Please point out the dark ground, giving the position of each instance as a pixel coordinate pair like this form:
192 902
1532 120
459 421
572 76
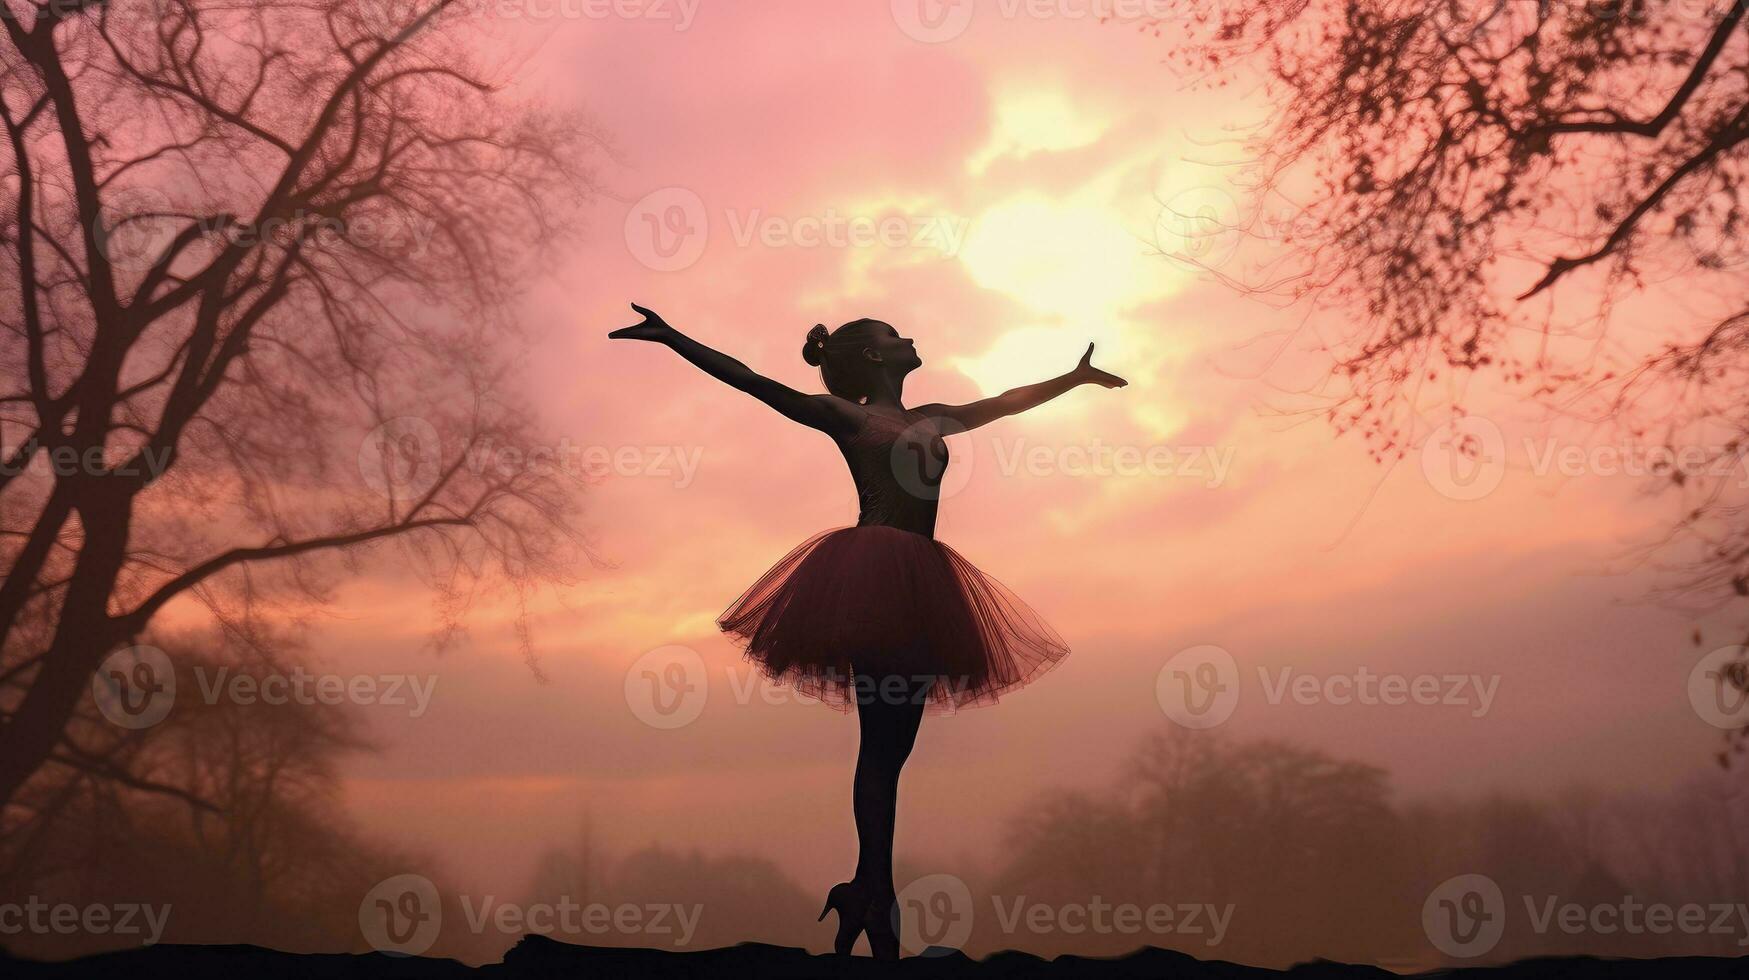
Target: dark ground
537 957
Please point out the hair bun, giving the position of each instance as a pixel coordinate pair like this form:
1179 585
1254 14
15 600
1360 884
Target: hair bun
814 351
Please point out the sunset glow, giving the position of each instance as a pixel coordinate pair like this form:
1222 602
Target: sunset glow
1266 599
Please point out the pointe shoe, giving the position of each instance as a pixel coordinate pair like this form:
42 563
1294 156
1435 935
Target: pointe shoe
848 899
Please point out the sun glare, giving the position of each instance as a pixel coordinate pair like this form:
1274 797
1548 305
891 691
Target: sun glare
1036 121
1056 257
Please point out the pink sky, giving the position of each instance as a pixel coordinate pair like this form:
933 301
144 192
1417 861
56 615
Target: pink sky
1031 156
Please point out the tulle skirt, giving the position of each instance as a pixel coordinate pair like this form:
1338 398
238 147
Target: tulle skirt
878 602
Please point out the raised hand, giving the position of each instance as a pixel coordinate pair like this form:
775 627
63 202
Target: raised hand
652 328
829 415
1086 373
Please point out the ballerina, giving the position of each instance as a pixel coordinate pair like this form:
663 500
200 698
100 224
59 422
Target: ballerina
881 616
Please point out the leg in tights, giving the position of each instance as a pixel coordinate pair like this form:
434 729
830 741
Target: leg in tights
889 710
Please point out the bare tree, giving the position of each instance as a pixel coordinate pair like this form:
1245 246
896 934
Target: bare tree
228 807
257 257
1482 187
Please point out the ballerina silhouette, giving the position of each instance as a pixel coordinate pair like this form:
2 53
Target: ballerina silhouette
881 616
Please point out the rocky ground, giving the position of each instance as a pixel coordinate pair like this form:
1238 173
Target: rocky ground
537 957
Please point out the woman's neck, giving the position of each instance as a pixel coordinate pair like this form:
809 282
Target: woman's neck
890 394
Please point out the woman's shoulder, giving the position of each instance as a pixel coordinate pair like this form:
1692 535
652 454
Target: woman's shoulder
849 417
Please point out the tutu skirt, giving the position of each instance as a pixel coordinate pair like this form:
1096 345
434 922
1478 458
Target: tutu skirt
875 602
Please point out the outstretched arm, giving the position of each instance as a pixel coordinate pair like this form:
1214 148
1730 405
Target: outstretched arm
824 412
1017 400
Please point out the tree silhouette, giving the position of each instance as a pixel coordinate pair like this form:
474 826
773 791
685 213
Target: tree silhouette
1482 188
1279 827
228 811
257 257
1304 846
1316 857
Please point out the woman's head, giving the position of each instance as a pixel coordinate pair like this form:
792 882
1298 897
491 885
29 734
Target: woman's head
860 358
